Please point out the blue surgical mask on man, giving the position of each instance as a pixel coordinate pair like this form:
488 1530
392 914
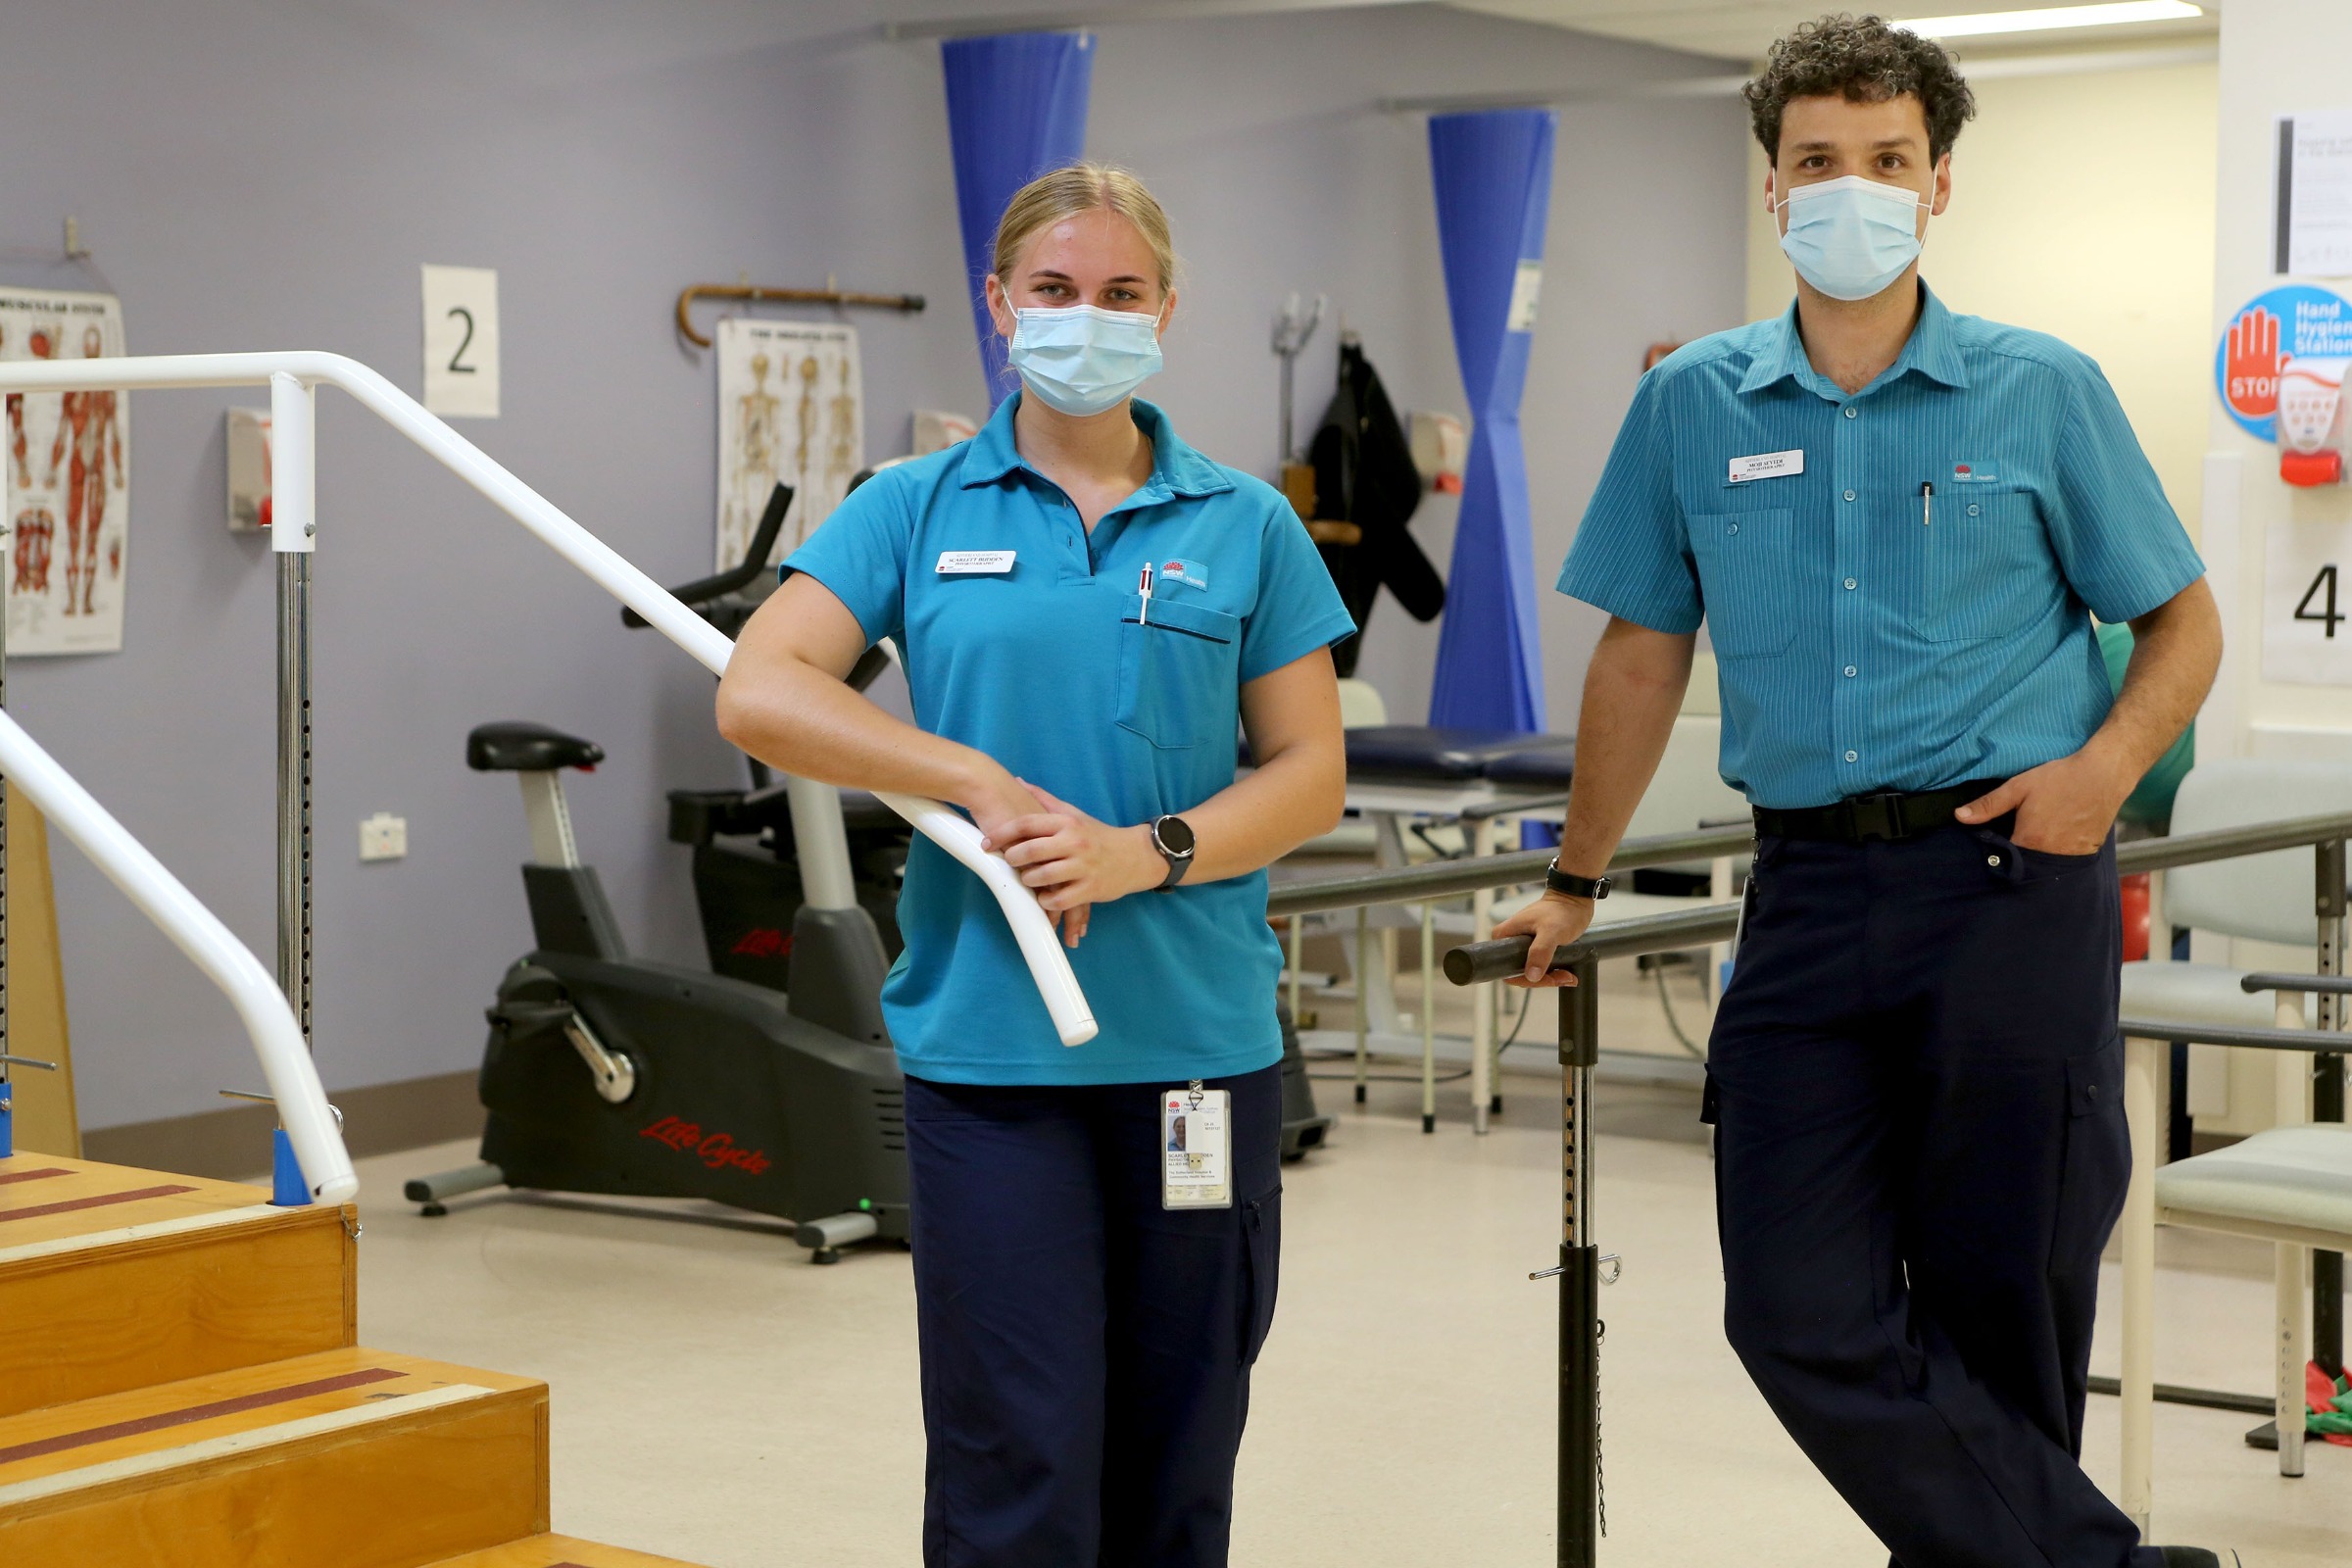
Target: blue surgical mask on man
1853 236
1081 358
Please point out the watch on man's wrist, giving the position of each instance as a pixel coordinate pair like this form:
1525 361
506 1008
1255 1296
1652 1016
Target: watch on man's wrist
1556 880
1172 837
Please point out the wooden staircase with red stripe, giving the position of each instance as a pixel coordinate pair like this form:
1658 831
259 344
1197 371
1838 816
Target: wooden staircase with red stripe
181 1387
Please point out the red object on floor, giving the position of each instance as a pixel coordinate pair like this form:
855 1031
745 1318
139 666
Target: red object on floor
2135 916
2320 1392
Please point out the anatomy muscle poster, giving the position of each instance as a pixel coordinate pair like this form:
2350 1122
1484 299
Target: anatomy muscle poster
791 409
67 462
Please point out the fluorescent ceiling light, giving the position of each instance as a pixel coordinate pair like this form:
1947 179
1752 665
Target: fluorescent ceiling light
2097 15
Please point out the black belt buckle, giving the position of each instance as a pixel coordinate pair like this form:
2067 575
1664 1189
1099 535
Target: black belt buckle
1876 817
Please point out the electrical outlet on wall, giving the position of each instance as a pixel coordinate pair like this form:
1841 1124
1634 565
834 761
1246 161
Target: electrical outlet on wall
383 836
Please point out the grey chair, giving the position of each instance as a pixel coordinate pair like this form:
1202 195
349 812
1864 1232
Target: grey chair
2290 1185
2265 898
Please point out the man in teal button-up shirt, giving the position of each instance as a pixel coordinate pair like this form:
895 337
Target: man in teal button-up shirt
1977 494
1896 524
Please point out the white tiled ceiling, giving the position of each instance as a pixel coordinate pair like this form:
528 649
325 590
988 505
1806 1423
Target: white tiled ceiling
1741 29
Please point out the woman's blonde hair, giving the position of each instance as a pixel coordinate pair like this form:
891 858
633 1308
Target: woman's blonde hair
1083 188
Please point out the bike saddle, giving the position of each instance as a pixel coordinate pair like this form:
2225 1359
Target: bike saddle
514 747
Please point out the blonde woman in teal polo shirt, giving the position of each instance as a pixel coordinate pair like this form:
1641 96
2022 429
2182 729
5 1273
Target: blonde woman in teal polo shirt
1087 609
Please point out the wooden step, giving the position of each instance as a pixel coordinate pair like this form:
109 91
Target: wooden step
350 1458
113 1278
560 1551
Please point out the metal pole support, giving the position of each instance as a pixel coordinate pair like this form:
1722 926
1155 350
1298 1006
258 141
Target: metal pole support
2328 1103
1580 1519
2138 1235
293 537
1482 1099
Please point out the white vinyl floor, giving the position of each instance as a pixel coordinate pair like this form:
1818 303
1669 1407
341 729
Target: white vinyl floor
719 1400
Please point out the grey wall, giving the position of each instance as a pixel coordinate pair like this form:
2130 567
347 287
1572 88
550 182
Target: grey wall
262 172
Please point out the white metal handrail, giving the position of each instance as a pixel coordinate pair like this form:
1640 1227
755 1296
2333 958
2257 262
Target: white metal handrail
291 377
226 961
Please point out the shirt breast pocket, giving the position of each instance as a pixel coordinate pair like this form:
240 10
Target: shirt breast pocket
1747 579
1178 672
1984 566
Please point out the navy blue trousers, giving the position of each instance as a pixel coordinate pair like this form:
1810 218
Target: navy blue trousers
1917 1082
1086 1353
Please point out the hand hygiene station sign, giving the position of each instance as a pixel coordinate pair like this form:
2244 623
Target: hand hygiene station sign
2279 371
2289 343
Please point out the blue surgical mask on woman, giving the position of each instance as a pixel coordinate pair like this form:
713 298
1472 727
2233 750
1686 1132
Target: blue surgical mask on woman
1081 358
1851 237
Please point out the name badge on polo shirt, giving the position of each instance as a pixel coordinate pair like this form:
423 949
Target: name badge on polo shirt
1197 1163
974 562
1768 466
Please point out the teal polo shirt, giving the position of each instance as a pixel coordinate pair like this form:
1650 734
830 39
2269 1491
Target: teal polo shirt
1047 666
1870 637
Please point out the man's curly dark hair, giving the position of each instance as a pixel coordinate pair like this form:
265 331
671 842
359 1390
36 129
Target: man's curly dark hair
1867 61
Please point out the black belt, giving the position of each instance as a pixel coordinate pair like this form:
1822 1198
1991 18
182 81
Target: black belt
1889 816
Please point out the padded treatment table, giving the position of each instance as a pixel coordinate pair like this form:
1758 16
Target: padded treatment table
1479 779
1423 754
1454 774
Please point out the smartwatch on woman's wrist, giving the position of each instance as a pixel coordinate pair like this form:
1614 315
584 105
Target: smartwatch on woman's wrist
1172 837
1596 888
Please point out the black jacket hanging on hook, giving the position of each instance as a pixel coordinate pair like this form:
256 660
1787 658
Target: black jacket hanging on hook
1364 474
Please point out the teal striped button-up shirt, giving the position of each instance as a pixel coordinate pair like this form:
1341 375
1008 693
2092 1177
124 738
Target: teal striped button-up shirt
1899 583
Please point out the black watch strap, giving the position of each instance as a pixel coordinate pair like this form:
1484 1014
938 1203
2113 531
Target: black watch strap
1574 886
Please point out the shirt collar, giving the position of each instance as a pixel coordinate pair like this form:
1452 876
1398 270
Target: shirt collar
1933 350
1176 469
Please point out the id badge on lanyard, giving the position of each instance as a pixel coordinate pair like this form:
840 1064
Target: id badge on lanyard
1195 1137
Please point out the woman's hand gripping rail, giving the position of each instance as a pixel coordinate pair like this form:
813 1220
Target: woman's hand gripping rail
1032 927
784 700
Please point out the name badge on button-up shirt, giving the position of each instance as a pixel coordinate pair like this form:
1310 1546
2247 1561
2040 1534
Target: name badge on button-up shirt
1768 466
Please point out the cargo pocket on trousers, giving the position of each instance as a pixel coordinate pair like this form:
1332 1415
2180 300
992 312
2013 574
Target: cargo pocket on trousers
2097 1165
1262 1267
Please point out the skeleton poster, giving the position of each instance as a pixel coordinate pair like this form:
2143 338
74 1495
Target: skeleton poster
67 462
791 409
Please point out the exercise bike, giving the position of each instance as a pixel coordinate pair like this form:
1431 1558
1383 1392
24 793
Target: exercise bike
769 1084
749 885
612 1074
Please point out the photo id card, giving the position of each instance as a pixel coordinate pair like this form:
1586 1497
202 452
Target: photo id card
1196 1141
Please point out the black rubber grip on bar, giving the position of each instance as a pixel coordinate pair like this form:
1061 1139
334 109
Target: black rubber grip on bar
702 590
1477 961
2326 985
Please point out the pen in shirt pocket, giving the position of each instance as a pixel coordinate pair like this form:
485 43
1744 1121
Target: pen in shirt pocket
1143 586
1927 504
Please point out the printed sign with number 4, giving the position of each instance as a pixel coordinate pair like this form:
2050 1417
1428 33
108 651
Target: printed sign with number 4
2306 604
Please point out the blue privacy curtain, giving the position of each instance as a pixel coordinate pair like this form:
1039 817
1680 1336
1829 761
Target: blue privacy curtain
1492 172
1016 107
